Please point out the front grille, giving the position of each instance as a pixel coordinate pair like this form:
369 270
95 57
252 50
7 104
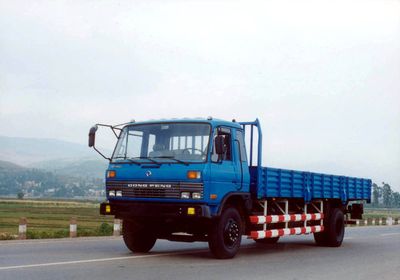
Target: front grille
153 189
150 193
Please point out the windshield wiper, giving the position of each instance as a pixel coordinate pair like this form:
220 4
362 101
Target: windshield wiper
152 160
177 160
128 159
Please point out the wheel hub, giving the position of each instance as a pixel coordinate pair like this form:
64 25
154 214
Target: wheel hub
231 233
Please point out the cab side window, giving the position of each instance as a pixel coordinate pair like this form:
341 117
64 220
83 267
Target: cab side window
240 139
227 136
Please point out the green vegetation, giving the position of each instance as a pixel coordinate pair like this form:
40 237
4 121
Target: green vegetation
374 213
384 196
50 219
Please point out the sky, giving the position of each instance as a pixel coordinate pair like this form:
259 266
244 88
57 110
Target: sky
323 77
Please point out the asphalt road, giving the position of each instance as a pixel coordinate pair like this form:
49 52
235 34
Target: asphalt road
367 253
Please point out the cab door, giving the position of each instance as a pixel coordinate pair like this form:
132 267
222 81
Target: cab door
224 174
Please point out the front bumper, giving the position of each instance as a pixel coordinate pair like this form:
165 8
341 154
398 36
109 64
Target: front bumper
157 210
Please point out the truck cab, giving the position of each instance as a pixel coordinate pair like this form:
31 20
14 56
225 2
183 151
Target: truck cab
177 162
176 176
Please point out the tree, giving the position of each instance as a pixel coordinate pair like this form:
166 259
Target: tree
376 194
396 199
20 195
386 194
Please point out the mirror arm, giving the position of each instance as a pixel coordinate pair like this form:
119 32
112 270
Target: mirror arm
109 159
113 128
92 134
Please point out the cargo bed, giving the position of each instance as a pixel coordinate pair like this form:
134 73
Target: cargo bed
283 183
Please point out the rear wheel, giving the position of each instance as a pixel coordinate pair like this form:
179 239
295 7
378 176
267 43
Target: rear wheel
320 238
333 234
138 237
225 234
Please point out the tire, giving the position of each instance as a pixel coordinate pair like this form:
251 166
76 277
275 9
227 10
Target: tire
320 238
333 234
225 234
138 238
273 240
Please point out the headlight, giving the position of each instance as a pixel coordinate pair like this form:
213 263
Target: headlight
185 195
111 193
196 195
118 193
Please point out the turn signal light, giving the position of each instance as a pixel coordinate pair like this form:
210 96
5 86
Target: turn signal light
108 208
111 174
193 175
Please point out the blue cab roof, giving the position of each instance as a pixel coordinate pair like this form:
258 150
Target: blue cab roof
213 122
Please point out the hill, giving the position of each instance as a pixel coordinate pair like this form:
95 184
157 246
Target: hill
6 165
41 183
84 167
26 151
59 157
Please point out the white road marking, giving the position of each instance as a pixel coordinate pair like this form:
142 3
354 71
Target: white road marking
101 260
390 234
56 241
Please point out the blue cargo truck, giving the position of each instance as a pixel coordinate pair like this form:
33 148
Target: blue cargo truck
194 180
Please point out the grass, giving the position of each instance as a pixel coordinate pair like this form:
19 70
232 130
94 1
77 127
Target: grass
371 213
51 219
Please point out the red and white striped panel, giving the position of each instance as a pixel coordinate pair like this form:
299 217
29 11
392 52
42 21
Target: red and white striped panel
285 218
284 231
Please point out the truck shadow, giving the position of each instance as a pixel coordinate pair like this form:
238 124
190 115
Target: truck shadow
254 249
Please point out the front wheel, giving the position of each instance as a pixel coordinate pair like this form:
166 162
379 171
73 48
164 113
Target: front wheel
137 237
225 234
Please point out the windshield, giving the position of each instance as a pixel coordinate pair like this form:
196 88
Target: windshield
168 142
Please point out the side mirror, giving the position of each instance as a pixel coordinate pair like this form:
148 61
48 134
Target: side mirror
92 135
219 145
